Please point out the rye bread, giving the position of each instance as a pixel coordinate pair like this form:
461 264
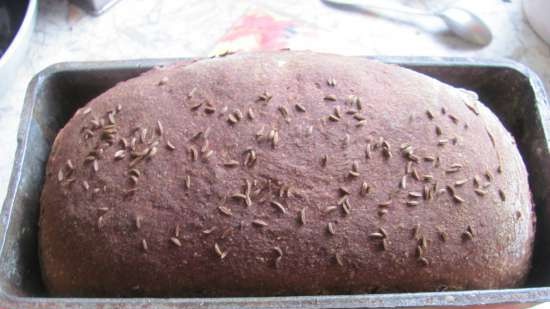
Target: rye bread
283 173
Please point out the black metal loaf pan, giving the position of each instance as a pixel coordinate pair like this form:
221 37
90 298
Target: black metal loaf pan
511 90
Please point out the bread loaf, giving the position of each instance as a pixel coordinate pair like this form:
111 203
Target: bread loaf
283 173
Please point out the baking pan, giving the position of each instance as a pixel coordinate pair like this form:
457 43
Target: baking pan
511 90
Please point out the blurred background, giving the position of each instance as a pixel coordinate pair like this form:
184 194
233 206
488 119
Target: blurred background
59 31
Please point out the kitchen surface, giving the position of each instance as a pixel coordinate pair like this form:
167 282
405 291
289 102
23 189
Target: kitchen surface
175 29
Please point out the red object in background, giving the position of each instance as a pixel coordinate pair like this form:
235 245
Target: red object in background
258 31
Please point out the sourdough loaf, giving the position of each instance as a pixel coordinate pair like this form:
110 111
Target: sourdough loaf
283 173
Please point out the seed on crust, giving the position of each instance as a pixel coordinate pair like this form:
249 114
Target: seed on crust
242 197
422 242
284 111
138 220
343 190
191 93
120 154
170 146
383 231
208 154
408 167
451 190
423 262
85 185
419 251
209 109
384 244
238 114
309 131
339 259
159 128
415 174
210 230
452 170
250 114
502 195
226 211
275 139
466 236
133 180
361 123
231 163
458 199
346 207
187 182
70 165
175 241
265 97
429 158
416 231
279 206
461 182
279 251
427 193
442 236
488 175
196 106
429 114
60 175
453 118
134 172
337 112
330 228
303 216
364 189
387 153
442 142
476 181
368 151
86 111
376 235
342 200
232 119
259 223
427 178
219 251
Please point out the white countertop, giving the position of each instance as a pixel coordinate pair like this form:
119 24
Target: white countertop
175 28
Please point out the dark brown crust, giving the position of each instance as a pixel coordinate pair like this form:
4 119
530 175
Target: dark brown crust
90 244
